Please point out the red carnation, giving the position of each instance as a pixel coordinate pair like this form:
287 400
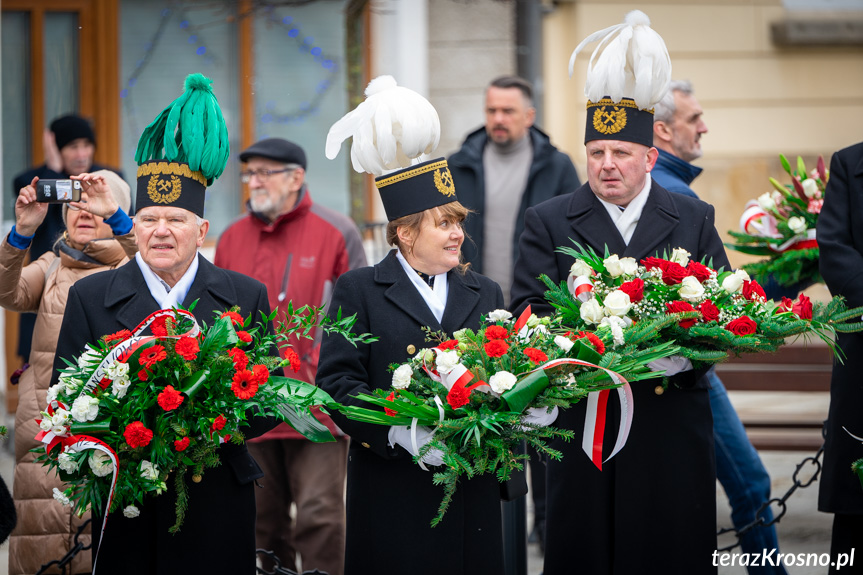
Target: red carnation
239 357
496 347
244 385
261 374
458 396
535 355
244 336
709 312
137 435
152 356
741 326
218 423
700 271
187 348
751 290
496 332
448 344
678 307
236 318
387 410
673 273
593 339
118 336
634 289
651 263
802 307
181 444
293 358
169 398
143 375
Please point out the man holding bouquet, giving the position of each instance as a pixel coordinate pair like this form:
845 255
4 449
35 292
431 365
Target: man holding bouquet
656 498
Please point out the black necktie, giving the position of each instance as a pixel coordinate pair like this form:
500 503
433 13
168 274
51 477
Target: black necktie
426 278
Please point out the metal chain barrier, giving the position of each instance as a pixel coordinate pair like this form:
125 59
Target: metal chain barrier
759 520
65 562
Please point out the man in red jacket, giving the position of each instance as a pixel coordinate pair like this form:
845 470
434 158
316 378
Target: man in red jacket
297 249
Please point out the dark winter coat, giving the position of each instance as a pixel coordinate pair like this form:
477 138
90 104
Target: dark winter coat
656 500
840 238
390 500
218 534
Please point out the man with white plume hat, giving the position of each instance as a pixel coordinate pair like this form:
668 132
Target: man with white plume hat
653 506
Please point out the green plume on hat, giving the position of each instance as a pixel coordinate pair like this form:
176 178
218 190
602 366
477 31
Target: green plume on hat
190 130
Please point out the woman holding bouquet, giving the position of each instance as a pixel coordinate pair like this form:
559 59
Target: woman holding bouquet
390 499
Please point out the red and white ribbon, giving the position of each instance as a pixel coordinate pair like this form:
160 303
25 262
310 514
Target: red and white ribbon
756 221
580 287
798 243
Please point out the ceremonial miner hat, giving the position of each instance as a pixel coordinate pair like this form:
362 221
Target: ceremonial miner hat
394 130
183 150
628 73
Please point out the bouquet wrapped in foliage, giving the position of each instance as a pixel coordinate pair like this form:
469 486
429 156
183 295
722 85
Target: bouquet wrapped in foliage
486 391
707 313
134 409
781 225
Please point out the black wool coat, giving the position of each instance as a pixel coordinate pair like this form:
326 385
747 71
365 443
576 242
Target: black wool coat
840 239
390 500
218 534
654 503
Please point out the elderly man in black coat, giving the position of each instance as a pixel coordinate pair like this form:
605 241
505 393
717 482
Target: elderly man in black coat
841 243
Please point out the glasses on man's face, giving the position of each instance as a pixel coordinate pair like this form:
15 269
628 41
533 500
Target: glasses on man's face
263 175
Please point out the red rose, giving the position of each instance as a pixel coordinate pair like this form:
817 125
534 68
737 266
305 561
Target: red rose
239 357
678 307
387 410
152 356
496 347
244 336
751 290
700 271
496 332
634 289
143 375
118 336
673 273
236 318
593 339
785 305
802 307
244 385
741 326
169 398
535 355
181 444
293 358
187 348
137 435
458 396
219 423
709 312
261 374
448 344
651 263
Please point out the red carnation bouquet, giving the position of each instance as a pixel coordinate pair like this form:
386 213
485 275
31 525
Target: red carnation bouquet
137 410
708 313
484 391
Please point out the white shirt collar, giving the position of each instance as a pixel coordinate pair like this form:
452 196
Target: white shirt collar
435 298
627 220
168 297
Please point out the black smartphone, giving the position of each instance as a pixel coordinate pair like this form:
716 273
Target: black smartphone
58 191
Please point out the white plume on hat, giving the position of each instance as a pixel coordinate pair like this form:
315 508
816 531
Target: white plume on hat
631 61
393 127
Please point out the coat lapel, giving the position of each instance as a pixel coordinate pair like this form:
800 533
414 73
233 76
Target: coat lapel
589 219
129 291
402 293
462 298
212 290
658 220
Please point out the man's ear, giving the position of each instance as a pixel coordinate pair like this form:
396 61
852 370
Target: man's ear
661 132
652 156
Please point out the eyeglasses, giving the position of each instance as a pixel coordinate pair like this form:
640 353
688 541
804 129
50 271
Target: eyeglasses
263 175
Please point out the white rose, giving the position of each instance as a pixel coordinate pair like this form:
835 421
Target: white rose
691 289
580 268
563 343
402 376
612 266
61 497
591 312
446 361
118 369
617 303
501 381
499 315
796 223
67 463
149 471
681 256
85 408
100 462
629 265
810 188
766 202
131 511
120 386
734 282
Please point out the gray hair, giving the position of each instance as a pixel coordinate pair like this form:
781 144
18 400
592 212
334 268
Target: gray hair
665 108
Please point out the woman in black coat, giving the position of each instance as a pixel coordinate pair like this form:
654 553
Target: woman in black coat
841 245
390 499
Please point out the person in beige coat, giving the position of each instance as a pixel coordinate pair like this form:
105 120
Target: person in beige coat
98 237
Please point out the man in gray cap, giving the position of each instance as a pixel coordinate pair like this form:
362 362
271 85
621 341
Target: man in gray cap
297 249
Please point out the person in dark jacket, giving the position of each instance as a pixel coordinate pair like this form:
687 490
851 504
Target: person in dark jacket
841 266
390 499
502 169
